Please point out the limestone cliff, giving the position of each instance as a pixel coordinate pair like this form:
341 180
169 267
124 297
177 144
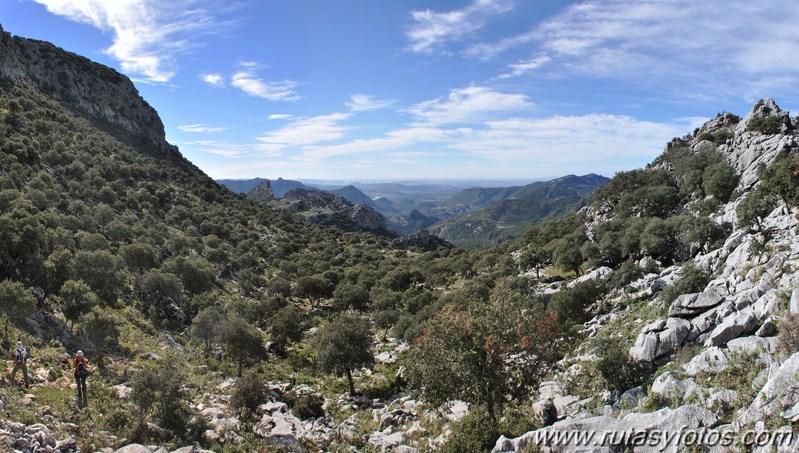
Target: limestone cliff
104 96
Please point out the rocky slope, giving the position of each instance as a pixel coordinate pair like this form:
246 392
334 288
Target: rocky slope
718 366
321 207
87 88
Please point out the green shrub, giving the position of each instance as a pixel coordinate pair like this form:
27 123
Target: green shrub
627 273
692 280
247 395
305 407
476 432
617 369
722 136
705 136
771 124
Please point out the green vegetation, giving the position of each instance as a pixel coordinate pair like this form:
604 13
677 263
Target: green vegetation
769 124
172 284
343 345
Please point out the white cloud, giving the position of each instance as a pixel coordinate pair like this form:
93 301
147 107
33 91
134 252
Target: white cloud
201 128
280 116
364 102
213 79
147 34
571 141
247 81
469 104
304 131
674 44
228 150
392 140
523 67
432 29
551 146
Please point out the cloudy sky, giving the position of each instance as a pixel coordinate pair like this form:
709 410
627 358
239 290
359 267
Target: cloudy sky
449 89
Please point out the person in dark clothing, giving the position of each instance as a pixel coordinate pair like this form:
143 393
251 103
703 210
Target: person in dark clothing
81 366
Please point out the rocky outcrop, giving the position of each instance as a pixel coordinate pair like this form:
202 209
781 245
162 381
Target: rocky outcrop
262 193
746 150
421 239
603 433
730 326
412 221
89 89
33 438
367 218
321 207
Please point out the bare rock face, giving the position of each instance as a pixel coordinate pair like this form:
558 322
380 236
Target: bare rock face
321 207
366 217
87 88
262 193
422 239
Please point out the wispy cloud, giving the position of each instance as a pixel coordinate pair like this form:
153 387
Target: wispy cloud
280 116
201 128
676 42
248 81
218 148
549 146
213 79
304 131
391 141
364 102
469 104
147 34
522 67
431 30
596 139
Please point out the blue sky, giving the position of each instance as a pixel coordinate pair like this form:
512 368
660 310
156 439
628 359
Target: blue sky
363 90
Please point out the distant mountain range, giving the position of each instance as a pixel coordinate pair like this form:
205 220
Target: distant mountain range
468 217
497 214
280 186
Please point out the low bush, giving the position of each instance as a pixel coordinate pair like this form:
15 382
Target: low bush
305 407
789 333
765 124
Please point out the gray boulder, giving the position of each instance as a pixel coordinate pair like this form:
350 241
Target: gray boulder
795 301
604 427
778 396
733 326
672 389
711 360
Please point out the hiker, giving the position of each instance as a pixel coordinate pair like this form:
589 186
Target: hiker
21 362
81 366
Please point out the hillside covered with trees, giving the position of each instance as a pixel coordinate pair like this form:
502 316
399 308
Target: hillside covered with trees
215 321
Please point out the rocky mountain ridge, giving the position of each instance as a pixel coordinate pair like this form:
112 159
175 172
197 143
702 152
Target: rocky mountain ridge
320 207
484 216
719 366
87 88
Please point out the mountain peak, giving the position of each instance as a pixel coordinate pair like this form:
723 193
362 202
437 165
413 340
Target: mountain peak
89 89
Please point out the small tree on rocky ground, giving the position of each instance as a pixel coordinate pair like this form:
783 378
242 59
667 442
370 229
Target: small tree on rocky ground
484 353
159 389
248 394
344 344
242 340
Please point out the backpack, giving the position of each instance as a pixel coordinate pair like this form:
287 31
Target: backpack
21 355
80 367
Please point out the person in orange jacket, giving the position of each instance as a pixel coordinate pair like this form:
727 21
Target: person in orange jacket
81 366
